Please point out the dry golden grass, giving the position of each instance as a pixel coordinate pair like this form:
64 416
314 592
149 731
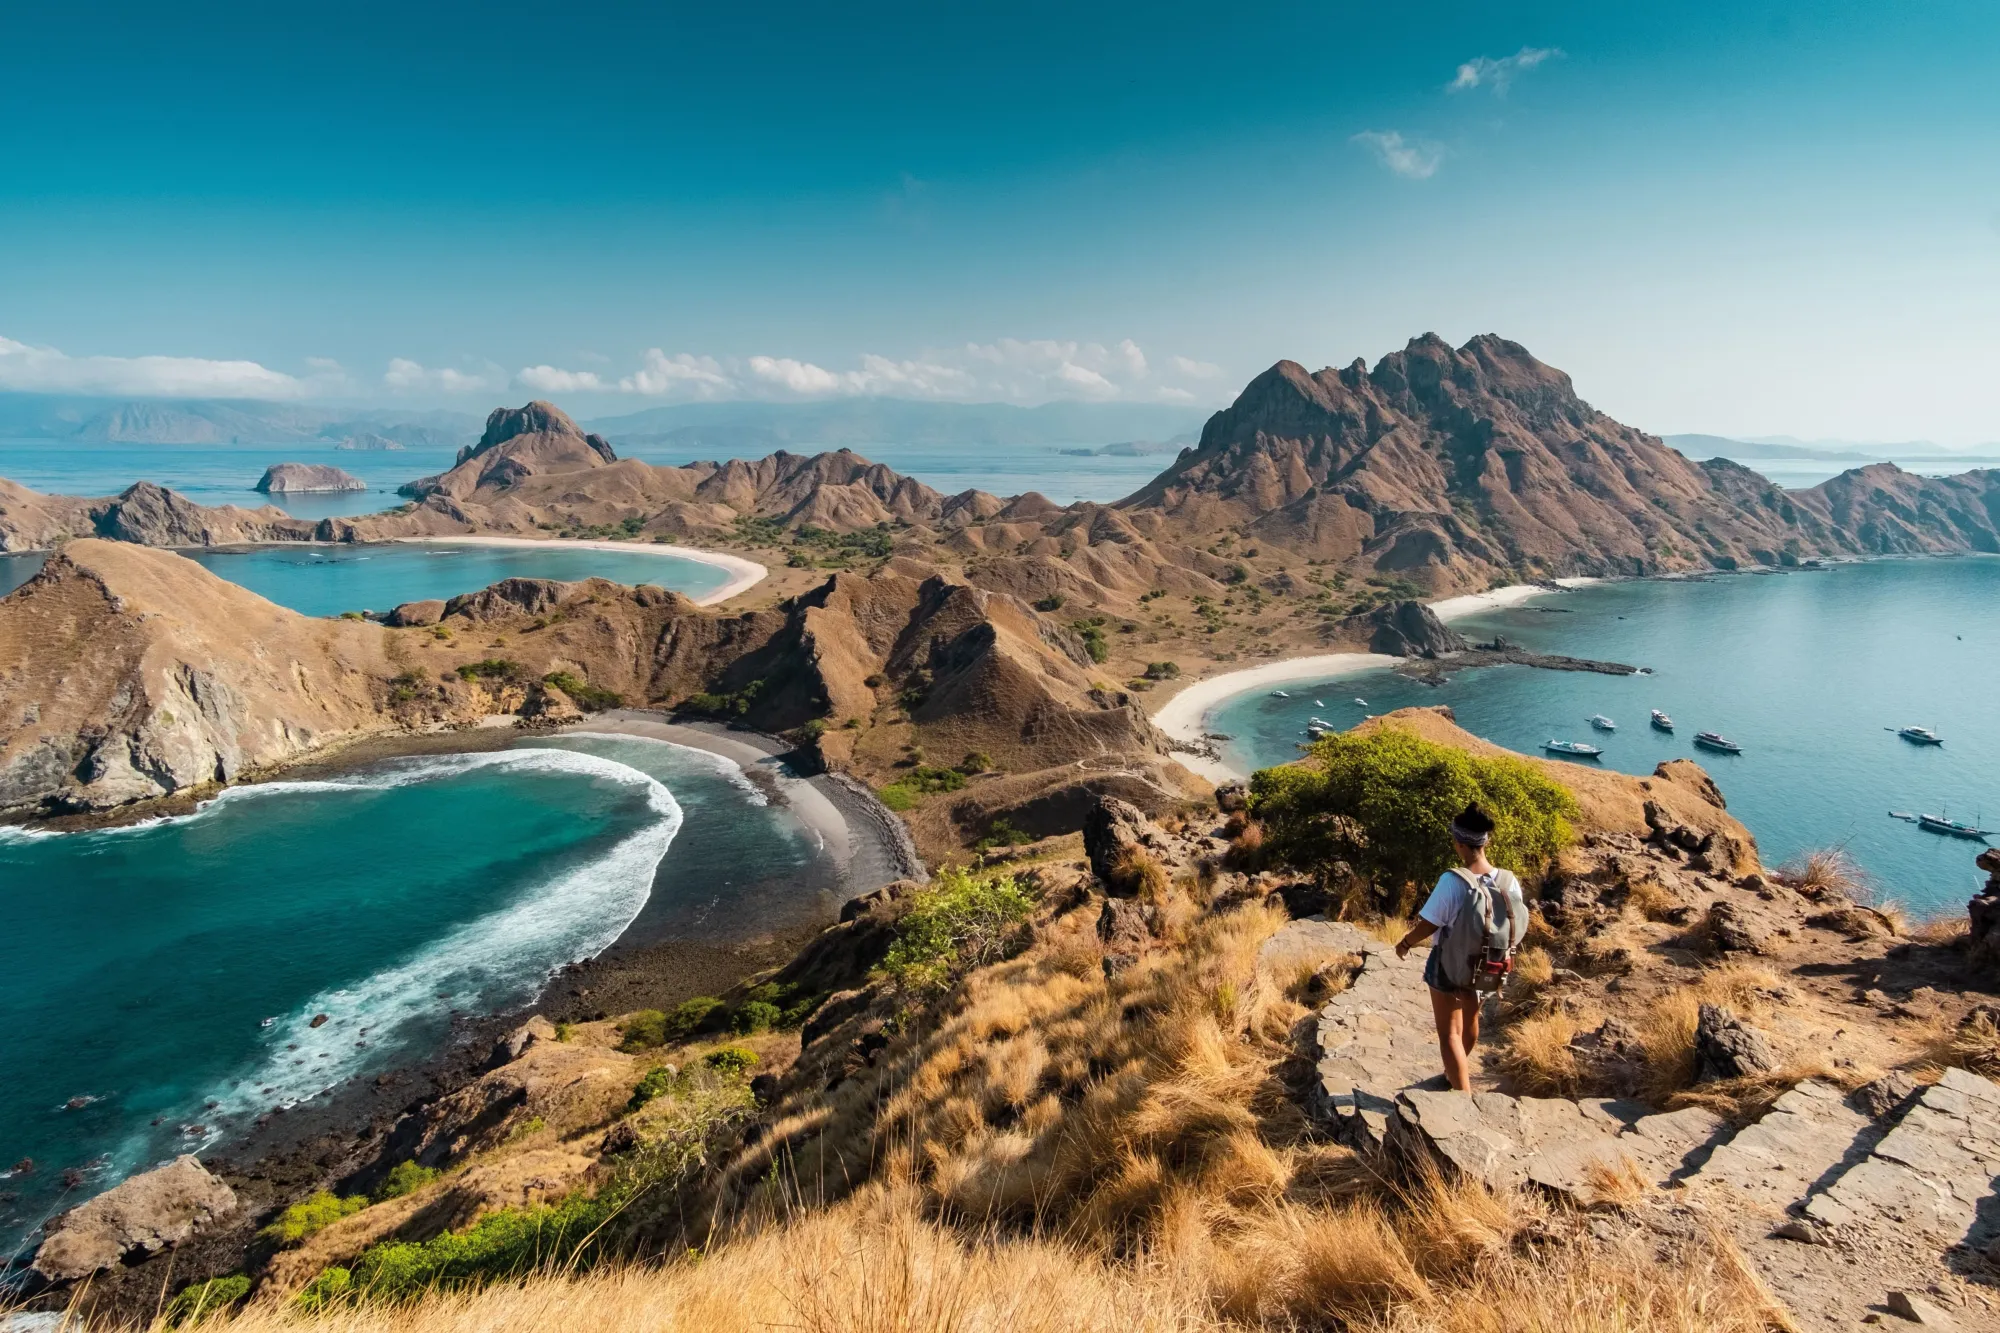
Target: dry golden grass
1667 1028
1534 1053
1534 969
1941 930
1650 899
1829 871
1971 1045
1445 1261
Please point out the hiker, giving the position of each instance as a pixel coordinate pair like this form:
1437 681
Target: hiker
1479 917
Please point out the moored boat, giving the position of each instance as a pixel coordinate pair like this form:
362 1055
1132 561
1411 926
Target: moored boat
1920 735
1661 722
1956 828
1279 694
1602 723
1710 740
1576 749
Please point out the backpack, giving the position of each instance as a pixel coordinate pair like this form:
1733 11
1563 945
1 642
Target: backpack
1477 951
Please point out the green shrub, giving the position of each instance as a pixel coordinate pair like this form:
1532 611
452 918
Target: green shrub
724 705
754 1016
311 1215
1383 803
588 697
921 781
1000 833
405 1178
1162 670
975 762
1092 633
1053 602
202 1299
898 797
490 669
691 1016
800 1011
730 1061
655 1083
352 615
960 921
642 1031
813 729
329 1288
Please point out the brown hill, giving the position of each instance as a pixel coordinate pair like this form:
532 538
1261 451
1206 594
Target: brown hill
128 673
137 673
143 512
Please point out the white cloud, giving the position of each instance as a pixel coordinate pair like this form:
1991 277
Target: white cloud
553 379
28 369
692 376
1499 75
1195 370
406 376
1412 159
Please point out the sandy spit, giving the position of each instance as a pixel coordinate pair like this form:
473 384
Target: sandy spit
1185 716
743 573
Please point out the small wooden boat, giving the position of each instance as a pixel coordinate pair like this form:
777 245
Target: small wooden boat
1602 723
1710 740
1575 749
1661 722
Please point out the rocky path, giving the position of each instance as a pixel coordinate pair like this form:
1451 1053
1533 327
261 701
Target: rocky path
1857 1209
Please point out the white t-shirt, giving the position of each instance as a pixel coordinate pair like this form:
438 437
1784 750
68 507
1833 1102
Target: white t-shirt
1442 907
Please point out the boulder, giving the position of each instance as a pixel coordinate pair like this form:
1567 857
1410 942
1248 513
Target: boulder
1727 1047
1113 831
149 1213
1983 942
1125 927
1732 930
1610 1058
1231 797
411 614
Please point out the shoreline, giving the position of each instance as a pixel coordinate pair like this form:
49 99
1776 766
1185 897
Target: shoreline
744 573
1185 716
283 1154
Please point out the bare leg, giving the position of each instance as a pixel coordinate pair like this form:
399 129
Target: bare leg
1470 1005
1448 1010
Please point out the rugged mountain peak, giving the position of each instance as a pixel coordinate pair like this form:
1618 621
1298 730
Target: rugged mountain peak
536 418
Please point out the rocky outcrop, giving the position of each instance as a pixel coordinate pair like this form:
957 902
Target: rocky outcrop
1406 629
307 478
143 513
1727 1047
141 1217
1983 914
127 673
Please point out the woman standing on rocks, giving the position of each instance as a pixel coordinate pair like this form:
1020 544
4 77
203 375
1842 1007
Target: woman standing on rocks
1479 918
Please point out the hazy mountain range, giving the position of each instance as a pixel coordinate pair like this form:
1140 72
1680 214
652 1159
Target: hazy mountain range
720 428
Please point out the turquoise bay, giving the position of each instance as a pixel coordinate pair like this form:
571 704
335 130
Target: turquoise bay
325 580
158 983
1808 671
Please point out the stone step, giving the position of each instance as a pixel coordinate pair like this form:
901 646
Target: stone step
1376 1038
1936 1170
1809 1135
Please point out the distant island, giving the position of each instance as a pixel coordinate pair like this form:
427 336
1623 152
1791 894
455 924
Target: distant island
306 479
370 442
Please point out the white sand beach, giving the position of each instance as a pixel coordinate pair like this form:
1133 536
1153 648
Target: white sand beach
1456 608
743 573
1185 716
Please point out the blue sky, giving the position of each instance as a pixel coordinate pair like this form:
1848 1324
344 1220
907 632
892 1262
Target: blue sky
1747 218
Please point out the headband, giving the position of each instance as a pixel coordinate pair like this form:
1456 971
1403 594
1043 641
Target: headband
1469 837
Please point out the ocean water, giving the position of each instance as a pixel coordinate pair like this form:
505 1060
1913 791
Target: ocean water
215 474
1807 671
327 580
158 983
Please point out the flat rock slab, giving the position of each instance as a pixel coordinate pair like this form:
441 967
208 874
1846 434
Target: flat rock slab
1808 1133
1935 1172
1376 1038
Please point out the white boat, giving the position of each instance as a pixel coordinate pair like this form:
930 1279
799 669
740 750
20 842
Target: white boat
1602 723
1575 748
1279 694
1956 828
1920 735
1661 722
1319 703
1710 740
1361 701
